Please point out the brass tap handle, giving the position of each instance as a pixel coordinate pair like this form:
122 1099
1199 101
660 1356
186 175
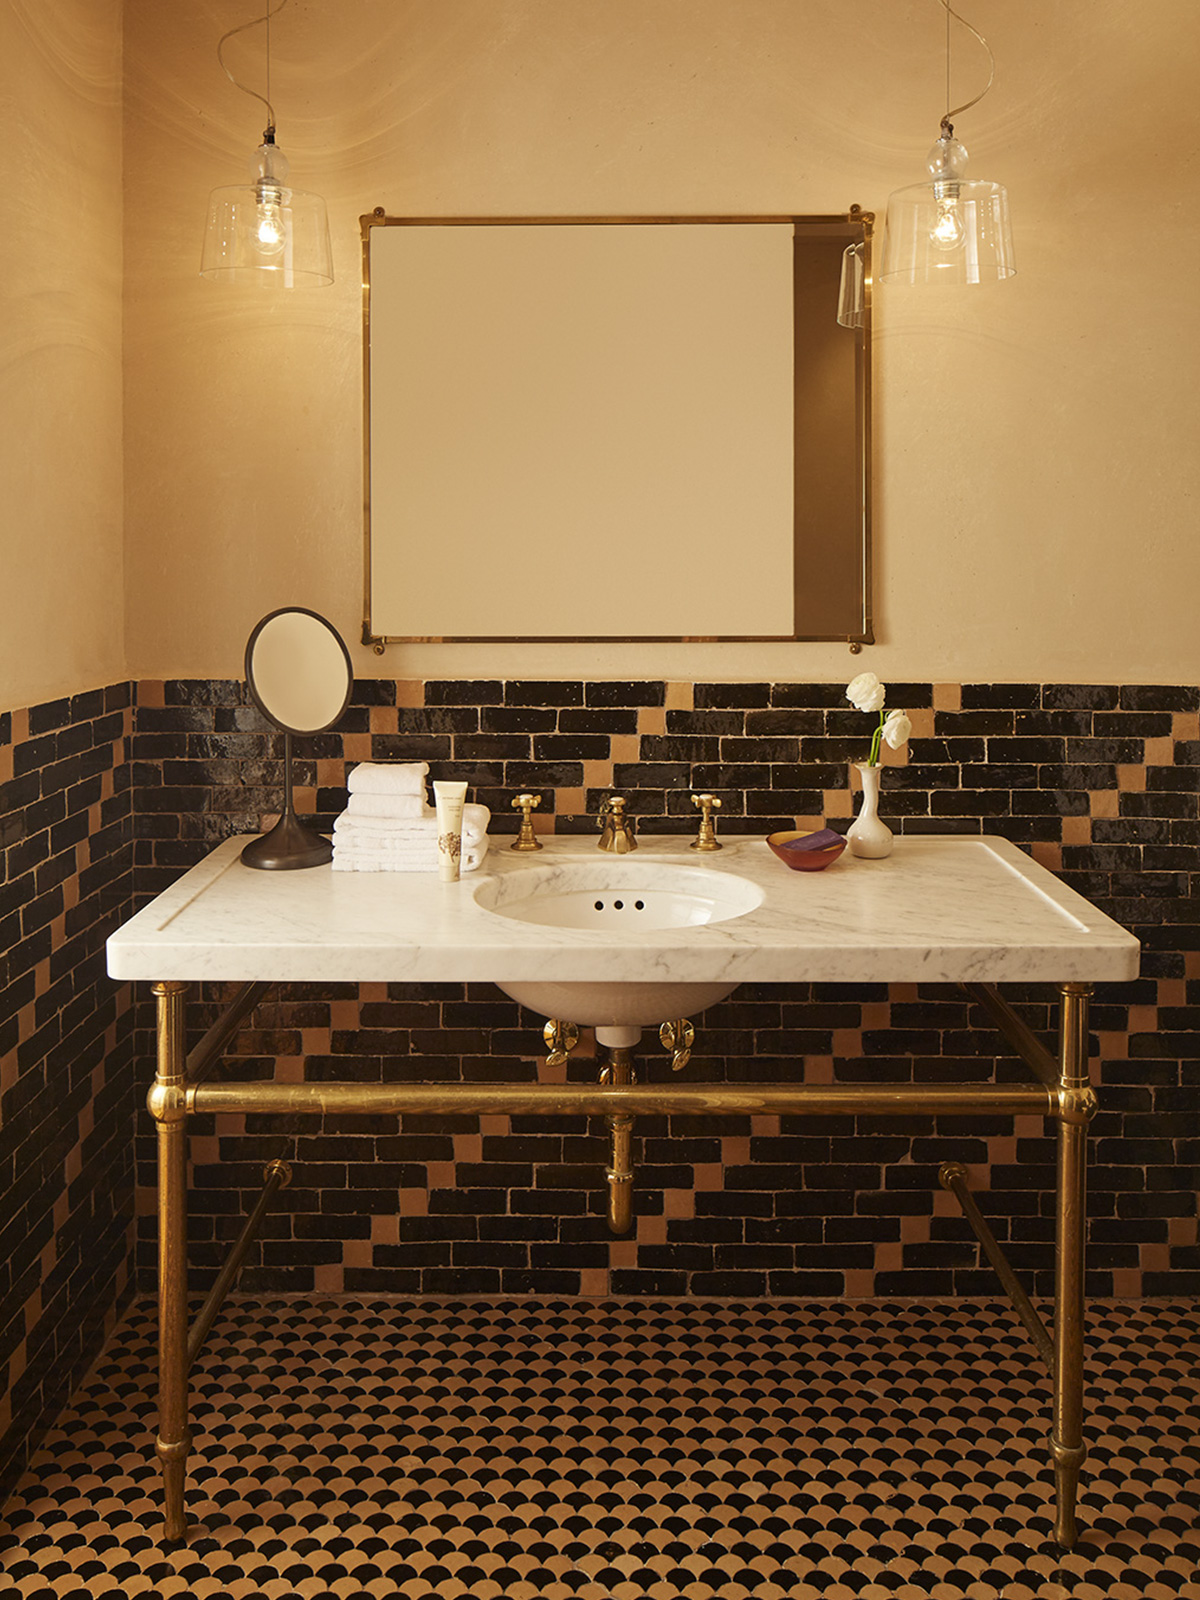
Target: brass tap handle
678 1037
561 1038
526 804
706 839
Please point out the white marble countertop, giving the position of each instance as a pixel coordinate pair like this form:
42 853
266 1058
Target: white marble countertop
939 909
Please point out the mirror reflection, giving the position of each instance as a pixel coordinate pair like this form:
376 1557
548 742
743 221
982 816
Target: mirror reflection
613 428
299 676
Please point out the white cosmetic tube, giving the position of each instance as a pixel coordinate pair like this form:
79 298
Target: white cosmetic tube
449 799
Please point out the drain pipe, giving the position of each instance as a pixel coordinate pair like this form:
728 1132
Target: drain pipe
618 1071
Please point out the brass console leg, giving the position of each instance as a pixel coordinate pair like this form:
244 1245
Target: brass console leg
618 1072
166 1104
1077 1106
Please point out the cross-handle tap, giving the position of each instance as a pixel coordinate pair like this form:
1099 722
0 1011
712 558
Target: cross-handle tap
525 803
706 839
616 829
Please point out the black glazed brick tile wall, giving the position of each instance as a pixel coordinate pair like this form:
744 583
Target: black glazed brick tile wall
1098 782
66 1169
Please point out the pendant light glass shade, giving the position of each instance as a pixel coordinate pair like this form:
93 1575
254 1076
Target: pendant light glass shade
952 230
265 233
852 298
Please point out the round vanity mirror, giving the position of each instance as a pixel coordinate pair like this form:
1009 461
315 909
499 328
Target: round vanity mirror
299 675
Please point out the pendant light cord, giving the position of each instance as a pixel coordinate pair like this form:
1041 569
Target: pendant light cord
272 11
947 124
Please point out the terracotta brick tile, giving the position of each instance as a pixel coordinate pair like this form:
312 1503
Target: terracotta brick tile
386 1230
150 692
680 696
651 1230
622 1253
1104 802
678 1203
1159 752
708 1176
594 1281
410 692
838 803
947 697
1131 779
1077 830
651 720
413 1203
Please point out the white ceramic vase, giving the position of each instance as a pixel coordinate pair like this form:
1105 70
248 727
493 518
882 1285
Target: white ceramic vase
869 835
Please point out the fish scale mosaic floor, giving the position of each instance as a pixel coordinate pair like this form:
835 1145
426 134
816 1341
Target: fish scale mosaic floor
621 1450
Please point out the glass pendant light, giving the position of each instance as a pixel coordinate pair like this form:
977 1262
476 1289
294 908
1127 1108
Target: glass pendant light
952 229
852 298
263 232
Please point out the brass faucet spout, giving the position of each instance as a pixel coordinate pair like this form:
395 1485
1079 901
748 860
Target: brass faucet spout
616 829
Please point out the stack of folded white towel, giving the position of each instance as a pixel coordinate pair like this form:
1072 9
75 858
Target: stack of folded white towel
388 826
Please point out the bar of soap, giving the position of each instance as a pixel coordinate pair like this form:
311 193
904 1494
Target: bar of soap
824 840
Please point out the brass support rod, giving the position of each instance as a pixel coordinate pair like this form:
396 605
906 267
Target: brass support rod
277 1175
619 1072
201 1060
173 1441
953 1178
1066 1440
1022 1038
687 1099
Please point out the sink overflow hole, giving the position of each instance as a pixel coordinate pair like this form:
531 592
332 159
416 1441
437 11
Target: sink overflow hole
619 905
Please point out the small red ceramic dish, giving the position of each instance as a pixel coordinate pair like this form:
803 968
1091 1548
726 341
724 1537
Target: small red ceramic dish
792 851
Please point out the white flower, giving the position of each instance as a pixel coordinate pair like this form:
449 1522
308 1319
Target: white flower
865 692
897 729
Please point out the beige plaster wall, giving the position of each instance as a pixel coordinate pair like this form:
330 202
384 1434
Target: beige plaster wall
1035 469
62 594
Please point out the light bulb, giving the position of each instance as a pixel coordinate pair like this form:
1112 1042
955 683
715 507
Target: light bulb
948 231
271 230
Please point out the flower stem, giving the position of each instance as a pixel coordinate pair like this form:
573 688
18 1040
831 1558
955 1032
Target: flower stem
873 758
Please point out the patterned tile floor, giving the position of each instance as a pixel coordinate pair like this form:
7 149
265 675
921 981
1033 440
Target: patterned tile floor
622 1450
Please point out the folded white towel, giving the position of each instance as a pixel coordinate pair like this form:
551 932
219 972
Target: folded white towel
383 830
390 777
389 805
419 857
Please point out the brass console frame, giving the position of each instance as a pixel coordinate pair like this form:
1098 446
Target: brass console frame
1061 1093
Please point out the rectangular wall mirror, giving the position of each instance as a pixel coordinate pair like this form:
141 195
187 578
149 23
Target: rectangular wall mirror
608 428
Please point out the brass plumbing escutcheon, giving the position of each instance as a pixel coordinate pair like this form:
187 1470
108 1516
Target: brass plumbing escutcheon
526 804
616 829
706 839
561 1038
678 1037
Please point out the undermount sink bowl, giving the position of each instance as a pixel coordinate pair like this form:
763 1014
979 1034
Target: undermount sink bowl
618 896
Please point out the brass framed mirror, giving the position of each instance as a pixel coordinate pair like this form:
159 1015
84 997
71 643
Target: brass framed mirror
616 428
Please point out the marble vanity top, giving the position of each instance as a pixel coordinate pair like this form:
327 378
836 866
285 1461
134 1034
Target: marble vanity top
939 909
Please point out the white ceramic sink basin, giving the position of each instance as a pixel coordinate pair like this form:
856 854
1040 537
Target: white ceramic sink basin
617 898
